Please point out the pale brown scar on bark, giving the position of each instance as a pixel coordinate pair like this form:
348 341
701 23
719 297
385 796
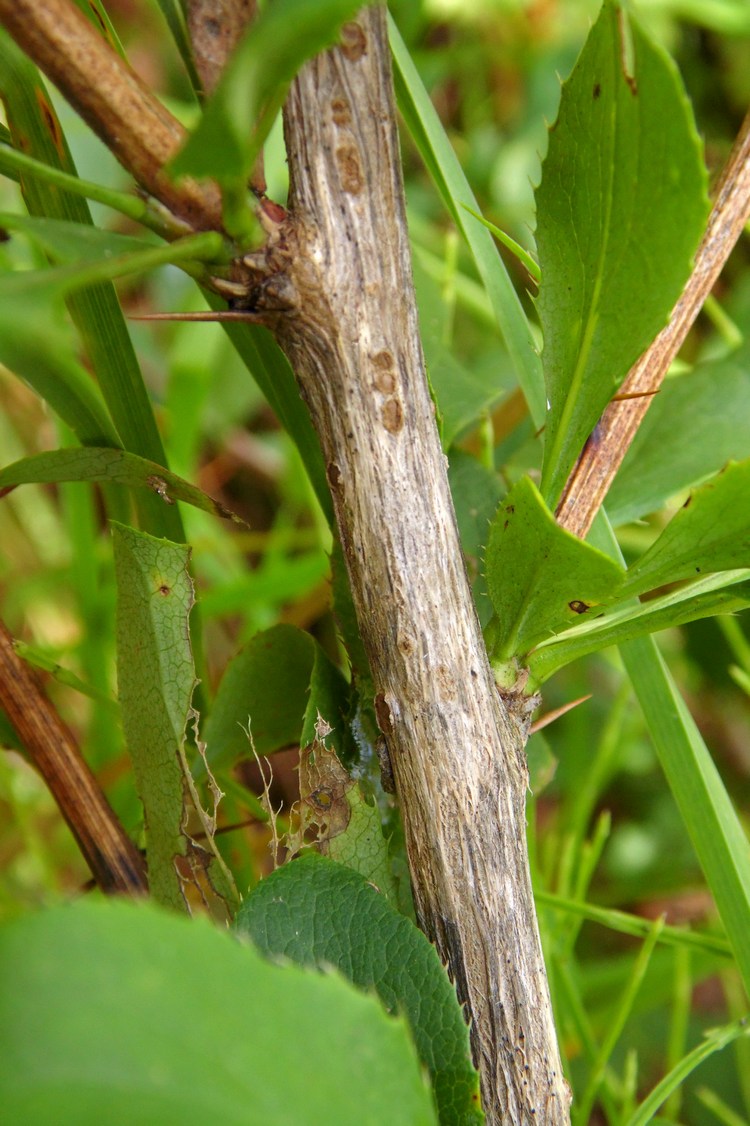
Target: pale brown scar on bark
385 376
392 415
383 714
340 112
353 41
350 169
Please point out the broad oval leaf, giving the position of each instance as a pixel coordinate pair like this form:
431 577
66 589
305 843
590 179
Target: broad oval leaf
124 1014
621 207
319 913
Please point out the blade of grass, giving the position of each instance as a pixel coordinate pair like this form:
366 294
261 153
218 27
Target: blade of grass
624 923
582 1112
716 1105
712 823
527 260
716 1039
442 163
678 1024
270 369
148 212
95 311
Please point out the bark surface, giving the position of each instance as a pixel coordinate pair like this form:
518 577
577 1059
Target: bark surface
456 750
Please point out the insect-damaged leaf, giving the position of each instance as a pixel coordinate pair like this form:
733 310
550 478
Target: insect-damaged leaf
156 679
620 210
540 578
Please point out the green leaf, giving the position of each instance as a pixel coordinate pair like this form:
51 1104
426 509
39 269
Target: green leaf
621 207
718 838
95 311
622 623
695 425
125 1014
711 532
273 687
715 1040
461 395
156 680
239 114
316 912
110 467
67 241
174 17
336 820
46 362
362 846
527 260
540 578
270 369
443 165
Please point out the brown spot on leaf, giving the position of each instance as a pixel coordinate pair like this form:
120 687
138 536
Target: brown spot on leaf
165 590
597 90
50 119
350 169
579 607
392 415
160 487
353 41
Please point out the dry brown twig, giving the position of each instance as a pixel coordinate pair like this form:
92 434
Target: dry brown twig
591 478
115 862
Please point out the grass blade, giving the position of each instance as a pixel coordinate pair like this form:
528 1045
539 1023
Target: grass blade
442 163
709 816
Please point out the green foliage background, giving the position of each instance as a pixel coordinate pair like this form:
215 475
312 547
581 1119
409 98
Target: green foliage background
603 823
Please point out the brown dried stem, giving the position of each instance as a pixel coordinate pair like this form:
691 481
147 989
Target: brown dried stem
602 456
134 125
115 862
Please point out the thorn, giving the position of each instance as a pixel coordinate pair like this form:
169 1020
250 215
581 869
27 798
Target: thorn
204 315
634 395
550 717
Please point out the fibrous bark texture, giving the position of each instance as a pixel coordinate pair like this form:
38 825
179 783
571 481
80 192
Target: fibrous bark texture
456 750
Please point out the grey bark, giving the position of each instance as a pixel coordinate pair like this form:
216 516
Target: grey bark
350 331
